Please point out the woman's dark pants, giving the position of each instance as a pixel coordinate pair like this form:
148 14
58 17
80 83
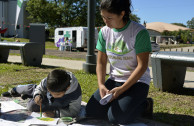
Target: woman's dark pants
123 110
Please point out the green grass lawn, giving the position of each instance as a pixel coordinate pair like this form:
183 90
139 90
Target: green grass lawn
175 109
14 39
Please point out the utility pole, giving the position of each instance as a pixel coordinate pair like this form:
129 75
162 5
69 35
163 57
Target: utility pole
90 65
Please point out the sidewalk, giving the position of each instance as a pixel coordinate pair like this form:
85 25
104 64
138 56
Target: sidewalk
78 65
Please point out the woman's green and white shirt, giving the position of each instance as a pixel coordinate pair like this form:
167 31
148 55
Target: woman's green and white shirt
121 47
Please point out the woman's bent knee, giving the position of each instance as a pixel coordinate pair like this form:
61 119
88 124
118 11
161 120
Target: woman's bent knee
117 118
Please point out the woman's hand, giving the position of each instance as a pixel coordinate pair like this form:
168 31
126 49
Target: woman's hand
117 91
103 90
49 114
38 99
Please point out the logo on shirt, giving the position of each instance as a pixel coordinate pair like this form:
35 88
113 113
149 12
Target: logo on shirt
118 47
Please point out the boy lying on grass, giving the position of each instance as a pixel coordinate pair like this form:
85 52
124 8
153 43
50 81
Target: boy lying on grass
59 94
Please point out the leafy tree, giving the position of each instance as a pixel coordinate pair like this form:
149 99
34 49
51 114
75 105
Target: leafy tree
64 13
167 33
43 11
99 21
182 35
81 14
179 24
190 23
60 13
134 17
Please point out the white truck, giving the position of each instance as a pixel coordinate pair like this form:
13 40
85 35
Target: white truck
75 37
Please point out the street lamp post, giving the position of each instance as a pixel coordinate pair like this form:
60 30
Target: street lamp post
90 65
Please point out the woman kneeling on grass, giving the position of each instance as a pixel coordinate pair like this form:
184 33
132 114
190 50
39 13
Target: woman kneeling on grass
126 44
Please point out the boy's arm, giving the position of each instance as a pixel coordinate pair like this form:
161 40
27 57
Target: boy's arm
40 89
72 110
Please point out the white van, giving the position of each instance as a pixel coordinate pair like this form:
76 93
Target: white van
75 37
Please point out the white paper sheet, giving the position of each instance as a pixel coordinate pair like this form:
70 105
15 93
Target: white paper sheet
7 106
32 119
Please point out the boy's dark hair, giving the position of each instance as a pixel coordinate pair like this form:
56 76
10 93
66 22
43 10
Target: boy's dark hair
58 80
116 7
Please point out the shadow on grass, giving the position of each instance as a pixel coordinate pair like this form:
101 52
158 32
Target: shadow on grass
41 66
46 66
183 91
174 119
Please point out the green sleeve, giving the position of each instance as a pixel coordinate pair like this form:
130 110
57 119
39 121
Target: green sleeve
101 44
142 43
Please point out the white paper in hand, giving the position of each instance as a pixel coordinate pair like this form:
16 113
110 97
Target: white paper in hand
106 99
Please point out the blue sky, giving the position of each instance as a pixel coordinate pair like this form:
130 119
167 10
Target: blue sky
168 11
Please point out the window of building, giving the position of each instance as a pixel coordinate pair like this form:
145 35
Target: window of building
60 33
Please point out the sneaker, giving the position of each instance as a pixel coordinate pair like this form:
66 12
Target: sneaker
11 93
148 113
6 94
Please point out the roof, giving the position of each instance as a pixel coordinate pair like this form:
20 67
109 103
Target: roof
160 27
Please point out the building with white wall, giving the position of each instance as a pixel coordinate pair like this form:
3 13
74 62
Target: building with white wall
8 17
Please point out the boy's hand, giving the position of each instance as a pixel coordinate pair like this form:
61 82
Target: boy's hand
38 99
49 114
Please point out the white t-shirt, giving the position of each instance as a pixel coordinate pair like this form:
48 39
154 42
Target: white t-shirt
121 47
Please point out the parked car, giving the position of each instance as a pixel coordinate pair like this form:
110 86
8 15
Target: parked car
155 46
